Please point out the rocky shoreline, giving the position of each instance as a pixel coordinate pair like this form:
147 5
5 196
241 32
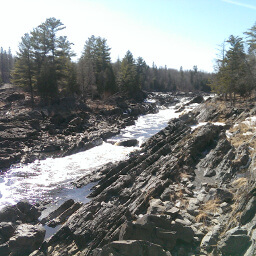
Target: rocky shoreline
66 127
190 190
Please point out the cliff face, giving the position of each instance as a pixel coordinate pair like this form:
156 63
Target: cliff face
190 190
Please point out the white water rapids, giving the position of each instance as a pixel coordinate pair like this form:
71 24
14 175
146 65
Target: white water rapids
51 179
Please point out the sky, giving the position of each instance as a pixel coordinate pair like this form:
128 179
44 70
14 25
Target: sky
174 33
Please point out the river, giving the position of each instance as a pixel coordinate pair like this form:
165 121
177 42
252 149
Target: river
51 179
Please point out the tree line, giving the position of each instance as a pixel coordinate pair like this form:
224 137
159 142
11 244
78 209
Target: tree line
236 66
6 65
43 65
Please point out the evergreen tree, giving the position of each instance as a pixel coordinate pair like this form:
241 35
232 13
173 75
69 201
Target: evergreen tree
127 78
24 70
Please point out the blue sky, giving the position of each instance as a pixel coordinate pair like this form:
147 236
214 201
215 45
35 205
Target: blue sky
168 32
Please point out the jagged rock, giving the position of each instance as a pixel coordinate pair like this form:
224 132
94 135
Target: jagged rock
249 211
26 239
173 212
197 99
6 231
22 211
131 247
209 241
156 230
66 205
128 143
64 216
156 207
235 242
224 195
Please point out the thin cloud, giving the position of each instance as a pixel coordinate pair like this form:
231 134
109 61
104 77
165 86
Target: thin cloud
240 4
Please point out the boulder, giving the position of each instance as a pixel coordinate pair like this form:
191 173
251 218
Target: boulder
22 211
209 241
128 143
15 96
235 242
26 239
131 247
6 231
197 99
249 211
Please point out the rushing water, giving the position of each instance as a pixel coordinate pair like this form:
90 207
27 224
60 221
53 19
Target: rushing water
51 179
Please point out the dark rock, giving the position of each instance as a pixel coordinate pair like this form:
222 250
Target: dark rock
15 97
197 99
28 212
4 249
131 247
23 211
6 231
235 242
64 216
224 195
26 239
249 211
128 143
61 209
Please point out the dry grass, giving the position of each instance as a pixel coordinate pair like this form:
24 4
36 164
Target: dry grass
202 217
240 182
212 206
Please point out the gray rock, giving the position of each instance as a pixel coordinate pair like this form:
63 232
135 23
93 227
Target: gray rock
249 211
235 242
26 239
66 205
131 247
209 241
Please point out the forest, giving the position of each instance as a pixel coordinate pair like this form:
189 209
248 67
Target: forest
44 66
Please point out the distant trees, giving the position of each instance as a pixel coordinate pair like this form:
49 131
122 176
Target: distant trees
6 65
43 66
44 61
95 72
236 68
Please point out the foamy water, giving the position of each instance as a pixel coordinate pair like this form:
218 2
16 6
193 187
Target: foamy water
51 179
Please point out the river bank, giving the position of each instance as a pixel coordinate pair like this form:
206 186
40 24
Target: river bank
65 127
188 191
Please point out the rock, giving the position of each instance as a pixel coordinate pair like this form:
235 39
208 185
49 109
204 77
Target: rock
64 216
235 242
148 232
61 209
4 249
197 99
224 195
156 207
6 231
209 241
128 143
249 211
27 238
173 212
15 96
157 230
131 247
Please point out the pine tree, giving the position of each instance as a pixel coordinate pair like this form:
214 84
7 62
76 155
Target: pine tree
127 78
24 71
